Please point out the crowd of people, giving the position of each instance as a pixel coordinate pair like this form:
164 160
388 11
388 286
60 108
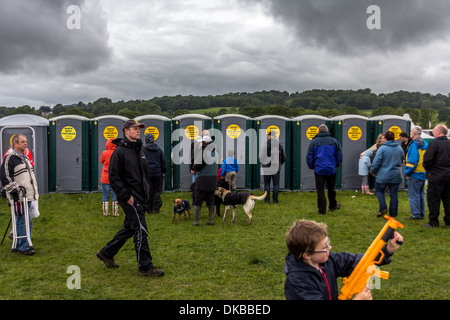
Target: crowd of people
133 175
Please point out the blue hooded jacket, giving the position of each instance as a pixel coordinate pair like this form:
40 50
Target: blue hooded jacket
387 164
324 154
414 159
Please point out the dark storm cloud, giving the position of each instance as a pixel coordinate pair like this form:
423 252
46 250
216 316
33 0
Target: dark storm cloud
34 37
341 25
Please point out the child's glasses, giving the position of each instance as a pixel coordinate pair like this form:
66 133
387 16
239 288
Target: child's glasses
326 248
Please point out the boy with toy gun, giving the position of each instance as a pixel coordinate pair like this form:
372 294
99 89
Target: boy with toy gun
312 270
373 256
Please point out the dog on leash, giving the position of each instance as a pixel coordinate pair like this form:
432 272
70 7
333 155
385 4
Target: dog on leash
235 199
180 207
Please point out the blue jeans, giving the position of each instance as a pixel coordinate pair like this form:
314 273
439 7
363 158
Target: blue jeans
22 243
106 191
276 186
416 197
393 193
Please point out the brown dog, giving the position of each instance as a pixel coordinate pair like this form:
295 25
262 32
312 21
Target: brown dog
235 199
180 207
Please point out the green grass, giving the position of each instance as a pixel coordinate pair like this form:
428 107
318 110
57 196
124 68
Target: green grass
226 261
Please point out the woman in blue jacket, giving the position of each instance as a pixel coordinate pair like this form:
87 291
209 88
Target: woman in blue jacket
387 169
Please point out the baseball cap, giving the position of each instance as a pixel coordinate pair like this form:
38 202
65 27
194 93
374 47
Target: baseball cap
132 123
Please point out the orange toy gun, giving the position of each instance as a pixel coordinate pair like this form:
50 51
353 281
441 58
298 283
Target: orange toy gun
366 266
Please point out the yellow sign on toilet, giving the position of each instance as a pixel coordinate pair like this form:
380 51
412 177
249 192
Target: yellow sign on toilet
68 133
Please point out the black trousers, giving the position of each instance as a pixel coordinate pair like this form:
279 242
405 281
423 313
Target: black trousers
156 186
206 196
330 181
436 193
134 226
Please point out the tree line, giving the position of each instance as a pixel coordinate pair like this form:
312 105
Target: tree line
425 109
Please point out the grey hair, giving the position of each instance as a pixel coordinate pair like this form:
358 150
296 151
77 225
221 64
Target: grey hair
417 130
323 128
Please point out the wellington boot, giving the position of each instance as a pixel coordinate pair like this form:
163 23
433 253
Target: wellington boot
363 189
211 215
115 207
368 191
105 205
197 210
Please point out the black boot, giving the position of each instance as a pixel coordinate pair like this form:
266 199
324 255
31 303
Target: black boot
197 210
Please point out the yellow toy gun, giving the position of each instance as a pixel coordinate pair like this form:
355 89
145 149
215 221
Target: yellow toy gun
365 269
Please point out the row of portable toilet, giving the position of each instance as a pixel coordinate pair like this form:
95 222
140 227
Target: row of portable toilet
67 149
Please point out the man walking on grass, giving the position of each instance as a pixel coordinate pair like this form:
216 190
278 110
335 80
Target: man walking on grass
128 176
324 156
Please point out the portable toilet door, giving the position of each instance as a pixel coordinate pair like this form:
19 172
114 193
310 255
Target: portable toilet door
281 126
69 146
35 128
238 135
103 128
353 134
185 129
393 123
161 128
304 129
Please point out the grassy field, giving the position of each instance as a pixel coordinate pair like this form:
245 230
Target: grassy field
227 261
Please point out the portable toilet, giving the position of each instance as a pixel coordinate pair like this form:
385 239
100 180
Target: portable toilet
304 129
35 128
394 123
353 133
103 128
69 159
238 136
184 130
282 128
161 128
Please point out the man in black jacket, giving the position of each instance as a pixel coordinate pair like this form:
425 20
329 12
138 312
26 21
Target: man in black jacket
205 165
157 167
271 165
128 176
436 162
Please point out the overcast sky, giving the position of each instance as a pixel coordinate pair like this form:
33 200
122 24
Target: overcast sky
139 49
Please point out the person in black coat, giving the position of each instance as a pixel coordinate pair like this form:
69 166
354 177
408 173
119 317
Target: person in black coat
205 165
157 167
436 162
128 176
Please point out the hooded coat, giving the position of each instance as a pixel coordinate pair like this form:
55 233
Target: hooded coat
156 161
364 163
105 158
304 282
128 172
414 159
324 154
387 164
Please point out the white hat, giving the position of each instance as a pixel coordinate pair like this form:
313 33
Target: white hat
205 139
